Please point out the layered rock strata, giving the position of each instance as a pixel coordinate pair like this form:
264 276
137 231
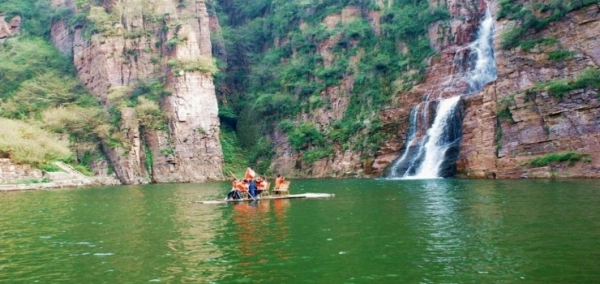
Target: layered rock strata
512 122
451 39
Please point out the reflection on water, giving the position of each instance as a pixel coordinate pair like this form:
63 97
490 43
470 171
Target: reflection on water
259 226
373 231
453 223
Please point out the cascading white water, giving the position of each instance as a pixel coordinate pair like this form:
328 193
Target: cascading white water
435 148
412 135
426 159
485 64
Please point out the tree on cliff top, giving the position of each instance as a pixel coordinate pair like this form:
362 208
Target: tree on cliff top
37 15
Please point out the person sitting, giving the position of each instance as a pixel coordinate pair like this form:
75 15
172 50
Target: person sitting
278 182
261 185
243 186
234 193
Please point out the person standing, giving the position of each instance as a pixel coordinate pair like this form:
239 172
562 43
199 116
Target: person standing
250 174
252 189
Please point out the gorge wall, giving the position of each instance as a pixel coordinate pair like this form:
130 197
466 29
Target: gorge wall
512 121
341 128
332 89
342 162
150 64
451 40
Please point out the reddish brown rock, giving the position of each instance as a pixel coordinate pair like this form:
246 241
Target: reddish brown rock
442 79
539 123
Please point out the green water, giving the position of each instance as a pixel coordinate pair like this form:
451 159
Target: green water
373 231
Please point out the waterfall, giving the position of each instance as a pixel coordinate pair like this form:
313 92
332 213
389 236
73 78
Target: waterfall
434 154
412 135
439 140
485 63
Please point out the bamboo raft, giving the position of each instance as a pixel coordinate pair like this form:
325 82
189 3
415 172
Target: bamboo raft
270 197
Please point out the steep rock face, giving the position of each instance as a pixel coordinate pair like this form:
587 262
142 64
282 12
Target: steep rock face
509 122
451 39
534 122
141 42
336 100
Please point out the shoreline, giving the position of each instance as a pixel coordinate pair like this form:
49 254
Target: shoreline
76 183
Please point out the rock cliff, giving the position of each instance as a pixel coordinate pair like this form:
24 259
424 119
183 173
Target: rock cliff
150 64
141 58
514 120
451 39
343 162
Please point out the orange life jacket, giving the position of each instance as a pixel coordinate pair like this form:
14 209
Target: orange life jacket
279 181
262 184
249 174
240 186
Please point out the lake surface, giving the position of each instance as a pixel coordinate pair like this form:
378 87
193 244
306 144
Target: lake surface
373 231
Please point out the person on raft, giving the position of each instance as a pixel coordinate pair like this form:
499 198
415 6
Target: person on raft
278 182
261 185
253 186
252 189
237 188
250 174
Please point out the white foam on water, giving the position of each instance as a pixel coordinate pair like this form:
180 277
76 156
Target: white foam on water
317 195
104 254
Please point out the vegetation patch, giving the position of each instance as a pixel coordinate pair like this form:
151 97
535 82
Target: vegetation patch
529 44
203 64
50 113
316 154
571 157
503 108
560 55
32 181
50 167
234 158
534 17
305 135
498 137
277 69
589 78
37 15
227 116
150 115
25 143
